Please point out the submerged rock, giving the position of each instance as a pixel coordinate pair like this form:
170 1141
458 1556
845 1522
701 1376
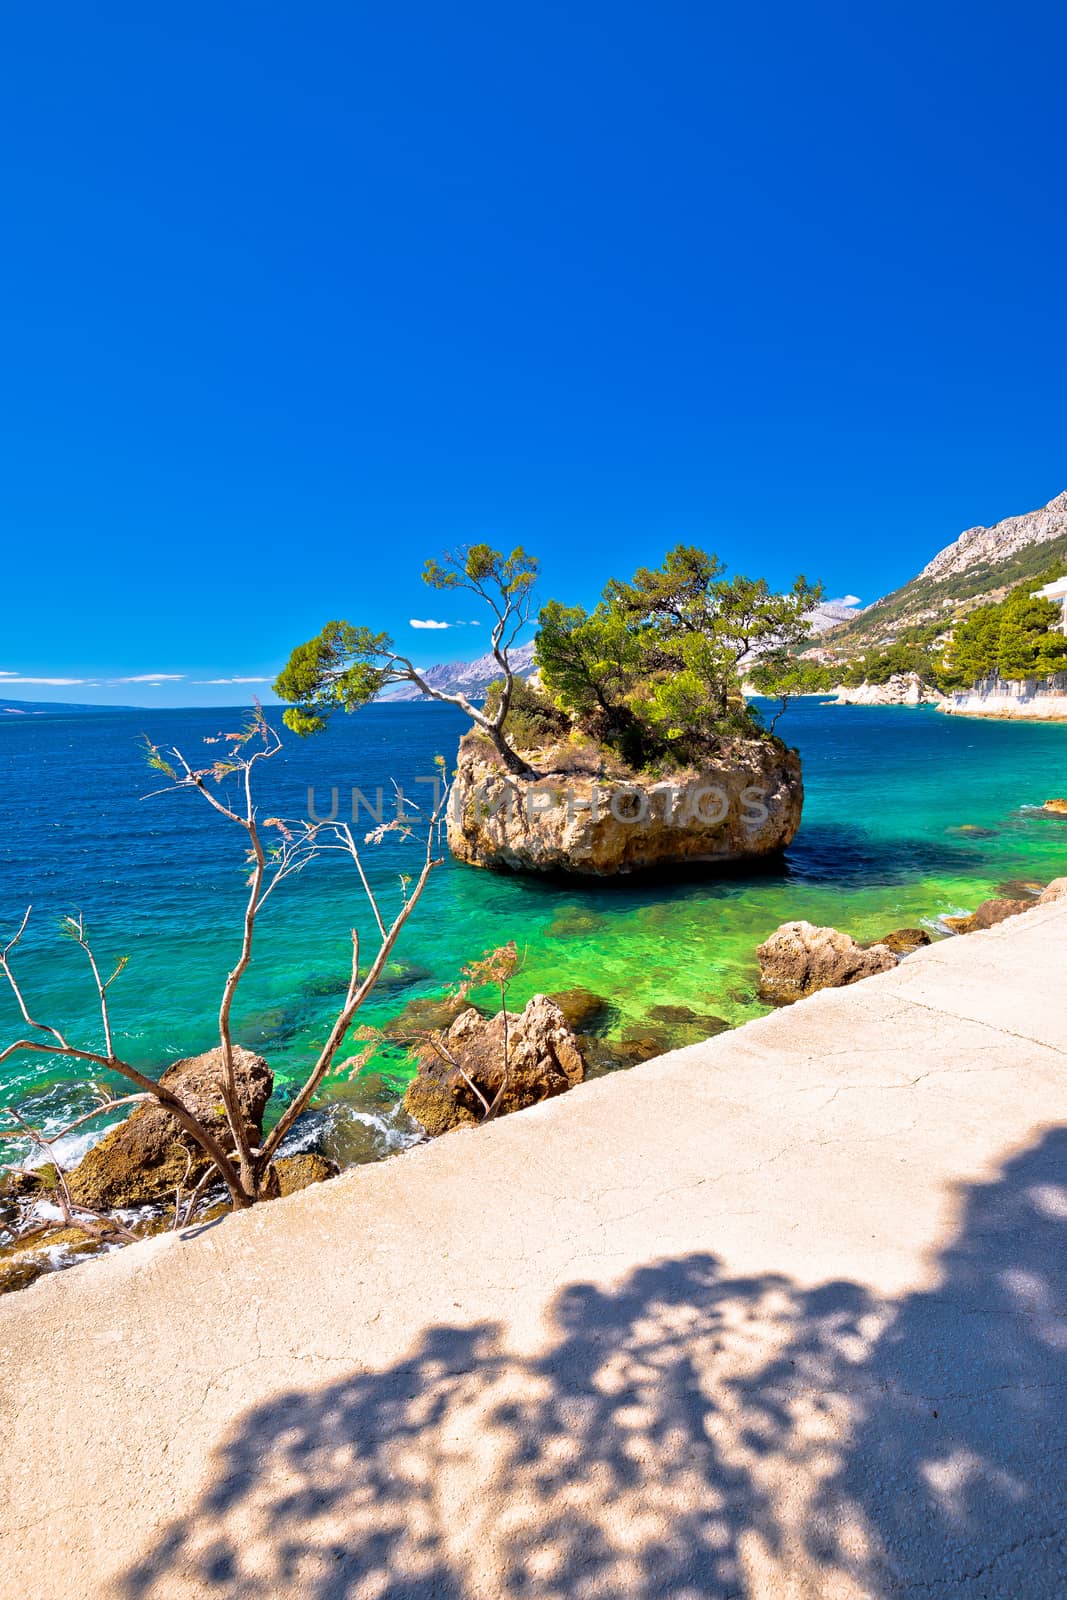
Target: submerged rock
427 1013
1019 889
584 1011
798 959
988 914
574 922
741 806
904 941
144 1158
544 1059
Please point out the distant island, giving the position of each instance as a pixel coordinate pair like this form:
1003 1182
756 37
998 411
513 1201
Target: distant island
54 708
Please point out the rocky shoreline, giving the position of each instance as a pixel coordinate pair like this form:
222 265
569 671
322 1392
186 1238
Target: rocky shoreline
902 689
555 1043
799 959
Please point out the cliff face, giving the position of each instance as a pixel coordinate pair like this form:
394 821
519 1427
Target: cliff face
1033 699
902 689
738 807
990 546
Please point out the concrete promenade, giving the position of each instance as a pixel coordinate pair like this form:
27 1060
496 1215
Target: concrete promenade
781 1315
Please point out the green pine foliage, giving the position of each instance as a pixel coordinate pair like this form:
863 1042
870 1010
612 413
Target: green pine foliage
1019 638
652 672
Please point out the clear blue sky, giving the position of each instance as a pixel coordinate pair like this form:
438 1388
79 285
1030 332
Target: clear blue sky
295 296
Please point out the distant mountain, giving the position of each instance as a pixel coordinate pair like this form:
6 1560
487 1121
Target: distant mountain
981 565
53 708
471 678
984 547
829 613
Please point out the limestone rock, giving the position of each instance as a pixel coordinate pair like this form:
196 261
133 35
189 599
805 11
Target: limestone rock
902 689
301 1171
799 958
544 1059
988 914
904 941
143 1159
990 546
1057 807
1056 890
743 805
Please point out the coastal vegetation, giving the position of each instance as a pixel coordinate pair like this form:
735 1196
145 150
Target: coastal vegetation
1020 637
651 673
1014 638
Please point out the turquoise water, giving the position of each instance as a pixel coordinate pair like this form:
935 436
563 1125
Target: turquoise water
161 880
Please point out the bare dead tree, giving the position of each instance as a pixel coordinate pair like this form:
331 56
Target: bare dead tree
497 967
245 1171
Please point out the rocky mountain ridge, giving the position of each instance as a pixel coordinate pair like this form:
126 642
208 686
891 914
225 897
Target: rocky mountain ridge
471 678
1003 539
981 565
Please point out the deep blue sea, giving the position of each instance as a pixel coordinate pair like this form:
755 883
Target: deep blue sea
908 815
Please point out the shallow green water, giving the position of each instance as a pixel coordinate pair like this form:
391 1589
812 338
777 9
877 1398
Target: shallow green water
887 793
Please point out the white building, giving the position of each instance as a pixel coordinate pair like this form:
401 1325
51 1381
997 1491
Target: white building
1055 591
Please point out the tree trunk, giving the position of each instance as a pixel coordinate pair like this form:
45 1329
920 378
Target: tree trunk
514 763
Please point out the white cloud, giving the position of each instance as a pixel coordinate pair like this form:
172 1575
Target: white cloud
204 683
152 677
55 683
414 622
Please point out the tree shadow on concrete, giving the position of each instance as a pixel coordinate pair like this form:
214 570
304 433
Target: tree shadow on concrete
686 1435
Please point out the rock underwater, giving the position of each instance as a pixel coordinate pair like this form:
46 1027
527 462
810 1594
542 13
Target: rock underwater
741 806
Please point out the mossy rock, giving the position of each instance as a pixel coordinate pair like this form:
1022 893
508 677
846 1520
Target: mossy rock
301 1171
904 941
27 1260
146 1157
433 1106
20 1184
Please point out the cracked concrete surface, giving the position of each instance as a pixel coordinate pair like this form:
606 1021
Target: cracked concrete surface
781 1315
